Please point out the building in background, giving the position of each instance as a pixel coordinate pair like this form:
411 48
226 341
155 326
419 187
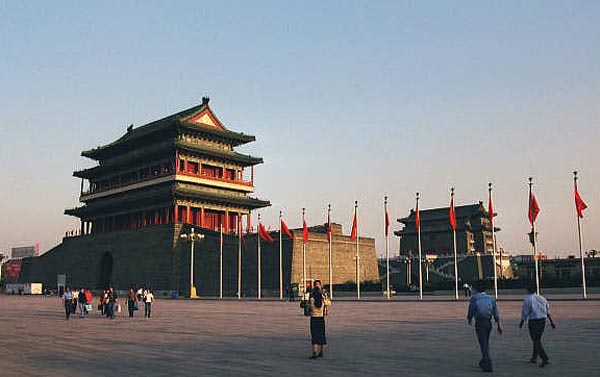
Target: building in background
473 231
474 245
147 187
25 251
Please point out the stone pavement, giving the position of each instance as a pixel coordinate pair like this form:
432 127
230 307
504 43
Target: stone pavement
251 338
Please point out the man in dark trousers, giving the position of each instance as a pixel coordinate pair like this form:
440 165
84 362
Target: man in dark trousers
483 308
536 310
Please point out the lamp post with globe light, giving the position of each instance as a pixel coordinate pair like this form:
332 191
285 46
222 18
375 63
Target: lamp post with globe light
192 237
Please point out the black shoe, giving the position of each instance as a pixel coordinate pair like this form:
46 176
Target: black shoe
533 361
313 357
544 363
320 354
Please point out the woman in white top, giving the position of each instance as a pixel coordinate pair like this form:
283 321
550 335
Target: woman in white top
148 298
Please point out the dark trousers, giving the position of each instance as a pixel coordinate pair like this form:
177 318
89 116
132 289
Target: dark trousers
147 309
111 310
130 306
483 329
536 329
68 309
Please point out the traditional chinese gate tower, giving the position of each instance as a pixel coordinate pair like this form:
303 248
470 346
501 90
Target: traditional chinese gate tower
149 187
180 169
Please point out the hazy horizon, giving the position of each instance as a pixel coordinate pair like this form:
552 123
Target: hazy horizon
348 101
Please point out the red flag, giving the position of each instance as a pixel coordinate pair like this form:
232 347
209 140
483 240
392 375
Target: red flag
452 215
263 234
387 223
285 229
328 228
579 203
534 208
491 211
304 232
417 218
354 232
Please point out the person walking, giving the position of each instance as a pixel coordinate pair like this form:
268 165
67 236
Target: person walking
74 301
148 299
111 297
68 299
104 302
536 310
131 301
140 293
88 301
81 301
483 308
318 310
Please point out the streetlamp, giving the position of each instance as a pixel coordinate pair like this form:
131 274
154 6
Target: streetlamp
192 237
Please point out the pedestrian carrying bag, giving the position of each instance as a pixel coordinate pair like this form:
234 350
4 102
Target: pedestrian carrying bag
135 305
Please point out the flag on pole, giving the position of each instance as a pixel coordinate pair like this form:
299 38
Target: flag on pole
304 232
491 210
328 227
534 208
354 234
579 203
285 229
387 223
452 214
417 217
263 233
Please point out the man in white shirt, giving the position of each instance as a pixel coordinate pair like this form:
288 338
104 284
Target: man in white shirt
536 310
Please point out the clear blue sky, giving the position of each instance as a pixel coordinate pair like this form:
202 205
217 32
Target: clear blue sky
348 100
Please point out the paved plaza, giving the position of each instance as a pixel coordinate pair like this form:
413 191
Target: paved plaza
251 338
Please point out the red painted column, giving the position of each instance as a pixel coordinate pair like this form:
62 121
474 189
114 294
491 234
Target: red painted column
188 214
176 214
227 221
202 217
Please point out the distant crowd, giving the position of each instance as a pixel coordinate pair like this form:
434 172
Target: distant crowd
81 301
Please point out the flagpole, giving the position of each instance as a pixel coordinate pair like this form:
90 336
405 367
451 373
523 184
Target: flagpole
357 252
280 256
221 264
303 256
330 251
580 233
258 256
534 242
387 247
239 290
493 243
420 253
455 249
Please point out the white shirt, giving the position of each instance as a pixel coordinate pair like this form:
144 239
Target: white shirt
535 307
149 297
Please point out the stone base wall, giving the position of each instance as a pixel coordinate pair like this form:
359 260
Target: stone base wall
156 256
343 259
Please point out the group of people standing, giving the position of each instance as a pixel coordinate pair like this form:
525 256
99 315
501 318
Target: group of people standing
77 300
142 294
535 310
81 300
